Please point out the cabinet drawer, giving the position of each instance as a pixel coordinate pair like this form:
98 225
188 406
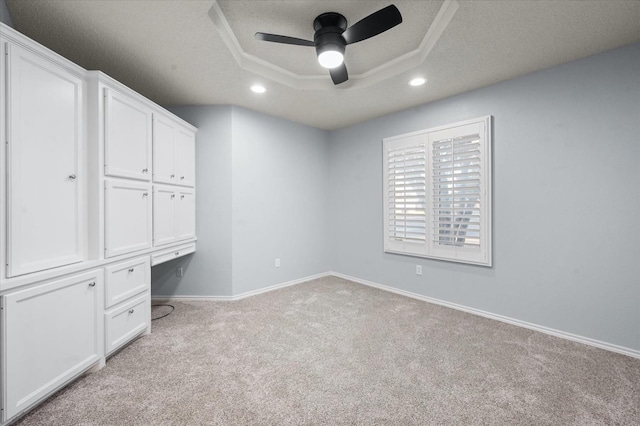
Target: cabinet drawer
126 279
126 322
167 255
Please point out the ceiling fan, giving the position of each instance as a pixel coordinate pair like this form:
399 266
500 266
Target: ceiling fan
332 36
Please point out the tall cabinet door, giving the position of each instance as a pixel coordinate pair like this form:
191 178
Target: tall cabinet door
163 149
186 214
185 163
45 136
127 137
127 217
164 215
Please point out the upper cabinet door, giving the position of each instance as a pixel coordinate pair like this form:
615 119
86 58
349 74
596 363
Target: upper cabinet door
163 149
186 206
127 217
185 163
127 137
164 215
45 134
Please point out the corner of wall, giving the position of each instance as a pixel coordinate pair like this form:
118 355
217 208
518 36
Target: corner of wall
5 16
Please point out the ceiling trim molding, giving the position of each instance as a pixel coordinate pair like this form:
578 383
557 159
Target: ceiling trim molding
269 70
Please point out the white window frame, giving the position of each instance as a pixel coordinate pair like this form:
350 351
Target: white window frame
426 246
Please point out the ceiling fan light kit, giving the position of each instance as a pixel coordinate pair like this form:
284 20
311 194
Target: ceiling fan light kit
332 37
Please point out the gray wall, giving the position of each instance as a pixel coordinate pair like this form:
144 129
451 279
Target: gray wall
208 271
262 191
566 153
280 196
5 17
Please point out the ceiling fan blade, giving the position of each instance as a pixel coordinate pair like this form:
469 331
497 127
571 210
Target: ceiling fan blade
283 39
339 74
372 25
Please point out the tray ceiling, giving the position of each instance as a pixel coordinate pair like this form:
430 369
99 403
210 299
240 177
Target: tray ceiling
203 52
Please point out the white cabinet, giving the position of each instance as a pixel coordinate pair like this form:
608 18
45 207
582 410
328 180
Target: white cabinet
164 215
173 152
50 334
185 163
127 136
186 214
128 226
76 203
45 133
127 321
174 214
126 279
128 302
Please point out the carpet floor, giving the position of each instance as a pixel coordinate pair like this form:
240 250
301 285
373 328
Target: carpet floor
332 352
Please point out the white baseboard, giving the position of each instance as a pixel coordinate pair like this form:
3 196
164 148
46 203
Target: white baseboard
240 296
546 330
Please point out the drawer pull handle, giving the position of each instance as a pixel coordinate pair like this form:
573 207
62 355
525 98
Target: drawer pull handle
130 311
72 177
131 269
145 170
92 284
144 194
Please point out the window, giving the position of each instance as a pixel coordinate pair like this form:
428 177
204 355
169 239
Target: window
437 192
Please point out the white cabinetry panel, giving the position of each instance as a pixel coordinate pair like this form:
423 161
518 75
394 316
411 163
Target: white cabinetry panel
173 152
127 217
126 279
45 133
174 214
163 149
127 137
124 323
186 206
50 335
164 215
185 157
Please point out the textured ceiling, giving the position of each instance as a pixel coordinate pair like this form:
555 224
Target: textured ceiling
174 53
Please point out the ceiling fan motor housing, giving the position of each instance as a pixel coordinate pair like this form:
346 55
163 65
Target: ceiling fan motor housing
329 28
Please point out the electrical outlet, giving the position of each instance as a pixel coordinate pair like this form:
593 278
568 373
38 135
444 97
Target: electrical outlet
418 269
277 262
179 272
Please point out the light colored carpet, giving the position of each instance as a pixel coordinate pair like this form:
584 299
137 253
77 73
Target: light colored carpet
332 352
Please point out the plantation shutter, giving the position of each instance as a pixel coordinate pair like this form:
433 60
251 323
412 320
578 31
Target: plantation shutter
457 198
407 194
437 192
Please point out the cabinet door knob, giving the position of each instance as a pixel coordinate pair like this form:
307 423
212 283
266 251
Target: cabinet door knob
130 269
130 311
173 195
72 177
92 284
172 176
144 194
182 196
181 177
145 170
177 253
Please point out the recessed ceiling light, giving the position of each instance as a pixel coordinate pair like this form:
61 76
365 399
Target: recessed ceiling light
257 88
419 81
